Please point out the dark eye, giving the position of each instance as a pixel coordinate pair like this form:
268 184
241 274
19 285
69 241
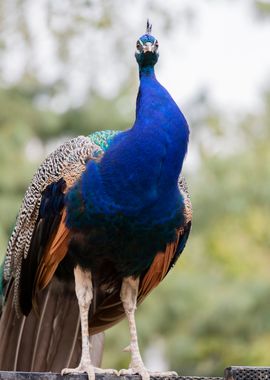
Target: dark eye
156 44
139 46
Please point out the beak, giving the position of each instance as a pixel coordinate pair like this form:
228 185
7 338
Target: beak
148 47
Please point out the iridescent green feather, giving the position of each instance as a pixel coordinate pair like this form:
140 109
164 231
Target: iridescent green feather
103 139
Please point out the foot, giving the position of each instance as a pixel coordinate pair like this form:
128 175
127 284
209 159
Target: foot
145 374
137 368
90 370
82 368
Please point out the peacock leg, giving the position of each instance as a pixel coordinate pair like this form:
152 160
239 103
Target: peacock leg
84 293
128 294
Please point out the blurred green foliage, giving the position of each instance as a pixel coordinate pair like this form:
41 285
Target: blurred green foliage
213 308
263 8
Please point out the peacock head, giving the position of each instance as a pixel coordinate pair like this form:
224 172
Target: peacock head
147 49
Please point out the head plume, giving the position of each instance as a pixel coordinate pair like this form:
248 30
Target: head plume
147 48
148 27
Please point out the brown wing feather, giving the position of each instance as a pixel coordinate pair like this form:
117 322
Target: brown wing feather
158 269
54 254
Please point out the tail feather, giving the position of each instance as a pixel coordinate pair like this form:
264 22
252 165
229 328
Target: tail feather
48 341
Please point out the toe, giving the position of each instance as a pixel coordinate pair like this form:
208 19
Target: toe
144 374
135 370
91 373
125 372
66 371
108 371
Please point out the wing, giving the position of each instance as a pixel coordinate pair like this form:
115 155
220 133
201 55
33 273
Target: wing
40 219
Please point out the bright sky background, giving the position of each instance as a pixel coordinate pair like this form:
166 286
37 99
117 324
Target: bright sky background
227 52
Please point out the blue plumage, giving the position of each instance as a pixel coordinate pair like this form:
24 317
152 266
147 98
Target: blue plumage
134 187
142 164
52 199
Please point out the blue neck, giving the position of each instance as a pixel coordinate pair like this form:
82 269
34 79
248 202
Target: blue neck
158 117
140 169
146 71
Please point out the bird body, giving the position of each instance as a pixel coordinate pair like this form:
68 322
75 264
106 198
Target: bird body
110 210
130 198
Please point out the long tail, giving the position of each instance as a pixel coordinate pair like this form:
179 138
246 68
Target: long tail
47 340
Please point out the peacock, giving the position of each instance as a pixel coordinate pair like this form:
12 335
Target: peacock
103 221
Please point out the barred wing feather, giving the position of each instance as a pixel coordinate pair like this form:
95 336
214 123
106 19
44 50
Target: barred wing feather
67 162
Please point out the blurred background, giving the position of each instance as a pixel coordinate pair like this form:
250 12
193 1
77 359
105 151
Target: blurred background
67 68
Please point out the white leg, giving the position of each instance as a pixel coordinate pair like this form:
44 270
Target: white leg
84 293
129 293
